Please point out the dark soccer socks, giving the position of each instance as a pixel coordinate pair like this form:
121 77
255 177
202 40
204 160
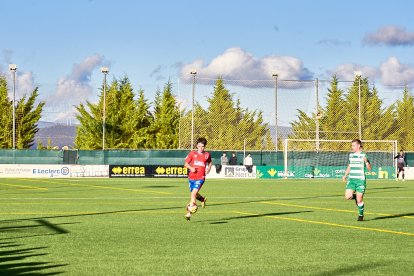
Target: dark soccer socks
200 198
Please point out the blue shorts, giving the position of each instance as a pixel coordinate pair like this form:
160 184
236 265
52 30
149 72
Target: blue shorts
195 184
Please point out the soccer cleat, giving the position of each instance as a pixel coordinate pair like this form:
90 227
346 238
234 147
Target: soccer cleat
403 180
187 216
203 204
360 218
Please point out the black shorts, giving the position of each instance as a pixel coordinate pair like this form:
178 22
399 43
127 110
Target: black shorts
400 169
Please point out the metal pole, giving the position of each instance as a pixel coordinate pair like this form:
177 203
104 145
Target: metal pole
276 124
14 109
318 115
104 113
105 71
359 107
13 68
194 73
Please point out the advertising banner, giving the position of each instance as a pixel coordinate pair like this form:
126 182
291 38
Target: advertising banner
227 171
131 171
385 172
272 172
34 171
89 171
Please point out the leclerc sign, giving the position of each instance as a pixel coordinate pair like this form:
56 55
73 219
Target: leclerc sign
34 171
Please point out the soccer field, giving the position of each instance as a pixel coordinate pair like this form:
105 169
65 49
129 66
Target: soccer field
249 227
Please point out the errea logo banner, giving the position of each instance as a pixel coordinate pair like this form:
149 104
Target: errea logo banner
127 171
161 171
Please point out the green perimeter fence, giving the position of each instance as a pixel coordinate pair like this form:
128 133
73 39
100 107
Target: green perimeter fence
163 157
126 157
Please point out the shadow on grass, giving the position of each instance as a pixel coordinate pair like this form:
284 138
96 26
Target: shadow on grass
127 211
159 187
354 269
26 227
225 220
15 260
394 216
386 188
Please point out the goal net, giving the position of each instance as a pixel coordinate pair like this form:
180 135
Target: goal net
305 158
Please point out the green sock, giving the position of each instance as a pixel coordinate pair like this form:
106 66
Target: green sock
361 209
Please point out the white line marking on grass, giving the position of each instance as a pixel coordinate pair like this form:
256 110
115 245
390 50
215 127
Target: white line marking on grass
332 224
328 209
100 187
24 187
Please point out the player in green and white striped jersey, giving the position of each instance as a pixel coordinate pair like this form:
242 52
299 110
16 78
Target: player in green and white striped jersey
356 185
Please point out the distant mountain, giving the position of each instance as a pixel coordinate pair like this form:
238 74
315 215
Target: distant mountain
60 135
42 124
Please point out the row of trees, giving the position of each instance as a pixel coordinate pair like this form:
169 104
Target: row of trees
129 123
340 118
225 123
133 122
27 115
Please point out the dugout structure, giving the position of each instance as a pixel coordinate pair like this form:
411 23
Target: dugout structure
307 158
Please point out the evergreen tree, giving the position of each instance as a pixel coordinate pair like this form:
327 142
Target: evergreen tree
141 138
166 119
119 123
378 121
341 116
121 118
332 120
225 124
404 119
304 127
89 131
27 115
6 119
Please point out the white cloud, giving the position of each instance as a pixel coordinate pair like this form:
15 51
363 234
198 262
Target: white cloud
347 71
24 82
237 64
390 36
76 87
71 90
395 73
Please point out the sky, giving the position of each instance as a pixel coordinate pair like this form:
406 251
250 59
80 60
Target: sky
60 46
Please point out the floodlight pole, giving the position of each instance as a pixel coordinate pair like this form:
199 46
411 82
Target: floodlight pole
13 69
105 71
193 73
317 115
276 124
359 108
358 75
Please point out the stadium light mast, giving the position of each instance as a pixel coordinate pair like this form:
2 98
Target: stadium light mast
276 125
105 71
358 74
194 74
318 114
13 69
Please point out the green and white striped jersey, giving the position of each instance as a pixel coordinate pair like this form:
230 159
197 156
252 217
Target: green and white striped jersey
357 165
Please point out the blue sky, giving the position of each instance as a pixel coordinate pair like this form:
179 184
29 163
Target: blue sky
60 46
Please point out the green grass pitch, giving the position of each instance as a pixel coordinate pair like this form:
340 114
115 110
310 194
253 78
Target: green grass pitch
249 227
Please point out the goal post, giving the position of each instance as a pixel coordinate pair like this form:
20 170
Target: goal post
311 158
